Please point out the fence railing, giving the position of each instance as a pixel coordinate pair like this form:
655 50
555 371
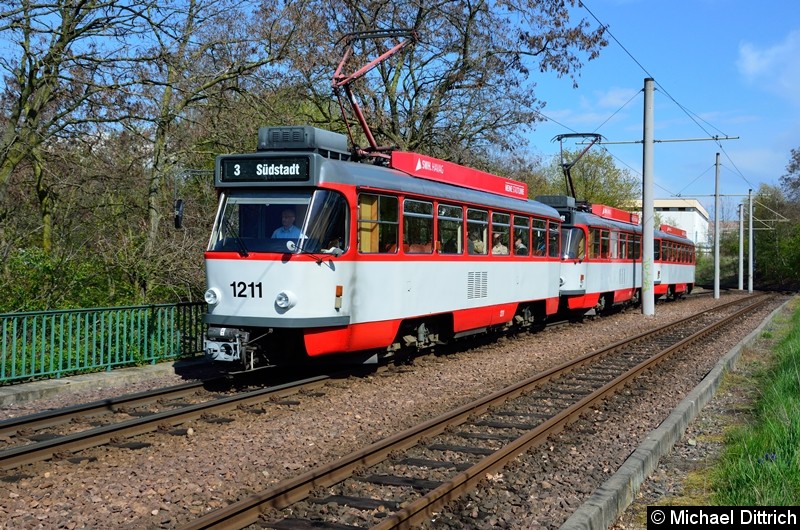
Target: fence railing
52 344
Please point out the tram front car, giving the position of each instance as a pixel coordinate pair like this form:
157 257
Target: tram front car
273 264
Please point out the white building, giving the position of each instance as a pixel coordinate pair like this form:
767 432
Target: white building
686 214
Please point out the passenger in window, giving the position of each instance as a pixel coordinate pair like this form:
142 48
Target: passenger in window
476 244
541 247
519 247
287 230
499 247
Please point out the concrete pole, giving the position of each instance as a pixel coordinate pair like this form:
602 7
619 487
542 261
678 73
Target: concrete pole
716 232
648 292
750 250
741 246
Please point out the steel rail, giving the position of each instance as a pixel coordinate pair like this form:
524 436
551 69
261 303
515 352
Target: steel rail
50 418
27 454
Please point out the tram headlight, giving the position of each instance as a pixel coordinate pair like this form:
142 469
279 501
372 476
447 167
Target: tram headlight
212 296
286 300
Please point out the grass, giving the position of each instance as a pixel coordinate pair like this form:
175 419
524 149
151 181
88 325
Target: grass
760 465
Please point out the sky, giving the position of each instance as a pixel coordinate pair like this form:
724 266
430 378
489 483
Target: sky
726 68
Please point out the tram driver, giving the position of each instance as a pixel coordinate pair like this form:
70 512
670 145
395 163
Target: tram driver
287 230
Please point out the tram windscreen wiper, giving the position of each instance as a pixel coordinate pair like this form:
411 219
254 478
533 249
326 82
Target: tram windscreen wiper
239 242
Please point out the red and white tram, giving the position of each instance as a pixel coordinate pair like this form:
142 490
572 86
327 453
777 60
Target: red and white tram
674 262
601 255
377 259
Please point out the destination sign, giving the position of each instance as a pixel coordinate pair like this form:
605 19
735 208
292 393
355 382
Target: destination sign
260 169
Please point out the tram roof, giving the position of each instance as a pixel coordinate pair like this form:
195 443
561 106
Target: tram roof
590 219
368 176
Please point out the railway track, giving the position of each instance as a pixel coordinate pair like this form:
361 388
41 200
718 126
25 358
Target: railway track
400 481
33 438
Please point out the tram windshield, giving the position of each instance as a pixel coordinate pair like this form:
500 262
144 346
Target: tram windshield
574 243
314 221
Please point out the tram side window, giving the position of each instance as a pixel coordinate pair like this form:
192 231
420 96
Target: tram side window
637 247
500 231
594 243
451 229
539 237
417 227
377 223
553 238
657 250
522 235
477 231
614 245
623 246
605 238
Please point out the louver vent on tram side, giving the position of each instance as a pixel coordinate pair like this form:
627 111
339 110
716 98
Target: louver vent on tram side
477 285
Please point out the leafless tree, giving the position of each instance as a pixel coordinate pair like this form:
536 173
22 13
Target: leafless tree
468 83
60 63
198 51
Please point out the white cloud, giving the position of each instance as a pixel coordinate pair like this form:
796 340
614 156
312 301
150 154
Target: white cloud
776 69
615 98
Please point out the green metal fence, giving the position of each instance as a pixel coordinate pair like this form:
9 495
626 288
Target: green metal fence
52 344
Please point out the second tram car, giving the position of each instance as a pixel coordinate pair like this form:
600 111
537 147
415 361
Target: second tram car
601 258
602 262
317 254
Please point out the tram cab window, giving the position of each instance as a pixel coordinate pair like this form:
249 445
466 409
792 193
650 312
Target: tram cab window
325 227
249 221
574 242
451 229
417 227
377 223
477 231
